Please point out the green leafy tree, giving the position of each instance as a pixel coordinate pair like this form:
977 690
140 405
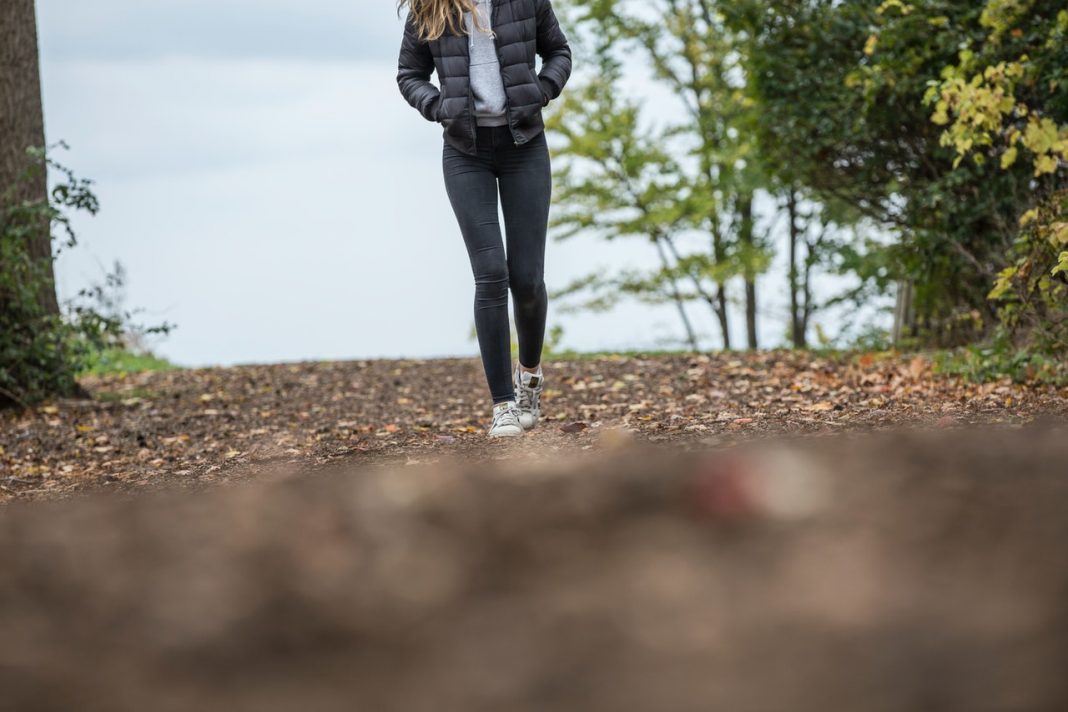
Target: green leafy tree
616 180
841 91
691 52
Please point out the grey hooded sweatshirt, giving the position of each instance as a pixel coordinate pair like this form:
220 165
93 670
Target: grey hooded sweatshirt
491 107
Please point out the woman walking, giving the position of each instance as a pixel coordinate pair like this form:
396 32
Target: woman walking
489 102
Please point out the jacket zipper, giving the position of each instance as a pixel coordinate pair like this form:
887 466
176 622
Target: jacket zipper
471 113
500 67
471 97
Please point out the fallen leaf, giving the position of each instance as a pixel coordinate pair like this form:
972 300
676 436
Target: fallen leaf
575 427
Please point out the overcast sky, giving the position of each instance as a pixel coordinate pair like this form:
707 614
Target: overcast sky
270 192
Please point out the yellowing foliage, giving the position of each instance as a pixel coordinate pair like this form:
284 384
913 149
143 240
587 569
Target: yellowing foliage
984 115
1001 15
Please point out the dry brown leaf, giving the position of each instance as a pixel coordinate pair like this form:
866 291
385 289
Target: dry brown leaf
572 428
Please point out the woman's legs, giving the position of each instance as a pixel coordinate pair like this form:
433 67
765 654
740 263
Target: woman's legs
525 179
522 176
471 183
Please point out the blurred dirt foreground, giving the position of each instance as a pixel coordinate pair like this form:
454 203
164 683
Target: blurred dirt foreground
918 571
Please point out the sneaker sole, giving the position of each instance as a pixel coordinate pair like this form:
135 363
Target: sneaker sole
507 434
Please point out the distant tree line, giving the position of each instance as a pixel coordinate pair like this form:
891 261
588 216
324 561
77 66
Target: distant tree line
919 147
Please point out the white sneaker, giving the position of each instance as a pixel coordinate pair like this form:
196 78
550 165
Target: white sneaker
528 390
505 421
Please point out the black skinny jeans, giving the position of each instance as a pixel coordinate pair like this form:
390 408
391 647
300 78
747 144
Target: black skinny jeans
522 177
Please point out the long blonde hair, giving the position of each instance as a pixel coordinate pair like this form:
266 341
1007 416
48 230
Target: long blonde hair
434 17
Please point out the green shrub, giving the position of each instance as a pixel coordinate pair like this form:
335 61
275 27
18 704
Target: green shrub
1000 360
41 352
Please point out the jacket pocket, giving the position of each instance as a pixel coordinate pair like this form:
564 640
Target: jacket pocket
439 112
534 78
543 94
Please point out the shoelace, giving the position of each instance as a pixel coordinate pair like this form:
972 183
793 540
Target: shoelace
505 416
528 399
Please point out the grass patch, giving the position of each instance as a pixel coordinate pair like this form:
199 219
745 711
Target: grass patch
132 394
569 355
983 364
824 352
115 360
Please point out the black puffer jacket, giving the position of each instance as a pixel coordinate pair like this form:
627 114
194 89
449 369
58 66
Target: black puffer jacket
522 28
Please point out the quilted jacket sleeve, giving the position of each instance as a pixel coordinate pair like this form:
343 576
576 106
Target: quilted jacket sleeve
415 66
554 50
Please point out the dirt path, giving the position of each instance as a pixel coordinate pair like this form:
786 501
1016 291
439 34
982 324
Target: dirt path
380 554
189 428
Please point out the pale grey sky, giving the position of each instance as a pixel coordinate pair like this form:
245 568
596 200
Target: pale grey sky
270 192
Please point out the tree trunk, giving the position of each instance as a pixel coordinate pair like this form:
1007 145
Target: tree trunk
708 298
721 315
22 127
745 235
676 295
903 315
720 305
812 251
797 328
